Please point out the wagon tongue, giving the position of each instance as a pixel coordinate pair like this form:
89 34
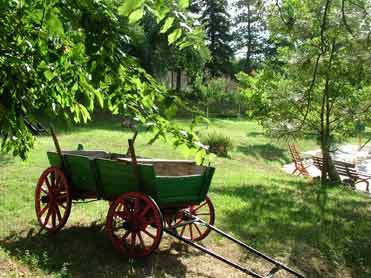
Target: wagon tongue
197 221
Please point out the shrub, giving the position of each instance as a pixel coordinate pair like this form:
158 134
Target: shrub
218 143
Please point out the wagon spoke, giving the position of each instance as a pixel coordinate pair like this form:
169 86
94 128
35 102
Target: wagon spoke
58 182
200 206
119 206
53 216
202 213
61 196
148 222
179 221
144 211
141 240
133 240
52 177
43 190
198 229
148 234
182 231
48 184
47 217
125 236
41 212
190 231
136 205
58 212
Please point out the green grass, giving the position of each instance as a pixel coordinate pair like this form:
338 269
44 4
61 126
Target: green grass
321 232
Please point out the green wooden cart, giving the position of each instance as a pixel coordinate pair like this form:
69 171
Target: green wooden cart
146 198
144 195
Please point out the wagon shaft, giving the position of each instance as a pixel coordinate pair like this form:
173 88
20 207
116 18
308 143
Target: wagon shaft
197 221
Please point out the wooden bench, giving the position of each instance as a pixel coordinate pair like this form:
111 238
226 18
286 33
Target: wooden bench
345 169
300 168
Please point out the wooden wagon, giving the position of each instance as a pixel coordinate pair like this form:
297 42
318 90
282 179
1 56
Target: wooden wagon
147 197
144 195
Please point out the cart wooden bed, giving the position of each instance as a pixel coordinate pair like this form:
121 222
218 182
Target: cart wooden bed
146 198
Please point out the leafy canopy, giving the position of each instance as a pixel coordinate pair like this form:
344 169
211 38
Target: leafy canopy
325 69
61 58
324 84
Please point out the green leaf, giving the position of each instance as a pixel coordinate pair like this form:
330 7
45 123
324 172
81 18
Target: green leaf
84 113
168 23
183 4
74 88
170 111
99 98
49 75
129 6
185 44
136 16
176 34
54 25
200 156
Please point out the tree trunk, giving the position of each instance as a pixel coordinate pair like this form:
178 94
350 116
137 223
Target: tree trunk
172 80
328 172
178 80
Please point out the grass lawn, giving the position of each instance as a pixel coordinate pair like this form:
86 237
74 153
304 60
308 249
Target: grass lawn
320 232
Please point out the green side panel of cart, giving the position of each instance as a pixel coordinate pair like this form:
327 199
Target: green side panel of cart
110 178
183 189
116 178
79 169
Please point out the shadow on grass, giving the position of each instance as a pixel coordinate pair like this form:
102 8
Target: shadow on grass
266 151
86 252
318 230
256 134
6 159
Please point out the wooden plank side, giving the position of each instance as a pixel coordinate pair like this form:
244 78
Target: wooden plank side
54 159
80 173
208 175
117 178
172 190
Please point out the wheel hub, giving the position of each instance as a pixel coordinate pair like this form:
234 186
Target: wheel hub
133 224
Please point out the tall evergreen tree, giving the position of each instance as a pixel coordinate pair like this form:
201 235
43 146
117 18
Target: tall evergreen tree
249 35
217 25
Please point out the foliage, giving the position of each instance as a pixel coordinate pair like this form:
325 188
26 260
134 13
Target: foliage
216 20
63 58
323 86
218 143
150 45
222 95
249 34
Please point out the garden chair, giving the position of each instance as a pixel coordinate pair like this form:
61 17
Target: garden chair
300 167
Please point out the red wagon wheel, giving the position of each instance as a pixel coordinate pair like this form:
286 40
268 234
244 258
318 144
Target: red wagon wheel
205 211
52 200
134 224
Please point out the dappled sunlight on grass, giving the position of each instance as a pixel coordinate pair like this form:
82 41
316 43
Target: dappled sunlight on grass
324 232
295 220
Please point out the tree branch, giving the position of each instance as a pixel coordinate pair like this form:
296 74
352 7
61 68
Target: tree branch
345 19
324 22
